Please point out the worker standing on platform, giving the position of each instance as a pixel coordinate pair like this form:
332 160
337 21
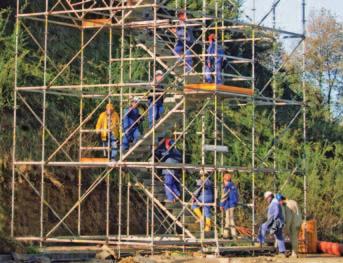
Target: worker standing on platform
156 110
274 223
168 153
203 196
214 61
107 127
131 121
184 40
293 220
228 202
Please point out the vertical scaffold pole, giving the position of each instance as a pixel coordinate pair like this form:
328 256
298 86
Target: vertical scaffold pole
253 125
15 117
274 98
42 193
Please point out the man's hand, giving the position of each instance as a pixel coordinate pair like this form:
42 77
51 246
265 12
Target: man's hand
221 209
209 65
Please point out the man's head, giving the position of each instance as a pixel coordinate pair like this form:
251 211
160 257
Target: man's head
159 75
109 108
212 37
135 101
268 196
227 177
181 15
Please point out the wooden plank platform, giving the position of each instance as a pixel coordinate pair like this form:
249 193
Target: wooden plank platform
93 160
211 87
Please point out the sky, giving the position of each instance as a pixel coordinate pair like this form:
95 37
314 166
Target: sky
288 12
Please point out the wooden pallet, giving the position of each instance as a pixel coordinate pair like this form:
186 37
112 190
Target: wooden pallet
93 160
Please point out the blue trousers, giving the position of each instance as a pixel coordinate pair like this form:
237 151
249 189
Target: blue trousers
158 113
114 146
171 183
208 76
205 209
132 136
278 236
179 51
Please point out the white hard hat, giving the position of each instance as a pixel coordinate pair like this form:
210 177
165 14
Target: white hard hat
267 194
136 99
158 72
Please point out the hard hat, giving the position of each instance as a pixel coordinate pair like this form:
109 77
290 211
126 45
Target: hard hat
267 194
158 72
109 106
136 99
211 37
279 197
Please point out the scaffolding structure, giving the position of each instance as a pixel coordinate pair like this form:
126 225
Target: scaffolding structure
146 33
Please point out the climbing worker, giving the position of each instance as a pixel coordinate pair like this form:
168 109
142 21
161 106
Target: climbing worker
274 223
202 197
293 220
107 127
214 61
156 110
184 40
131 121
228 202
167 152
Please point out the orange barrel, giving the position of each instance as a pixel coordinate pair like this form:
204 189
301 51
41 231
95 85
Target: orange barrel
308 237
330 248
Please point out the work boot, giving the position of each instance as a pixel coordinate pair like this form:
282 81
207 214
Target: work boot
198 213
208 225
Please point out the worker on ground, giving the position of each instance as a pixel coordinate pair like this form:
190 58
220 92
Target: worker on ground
107 127
167 152
214 63
203 196
156 110
274 224
184 40
293 220
228 202
131 121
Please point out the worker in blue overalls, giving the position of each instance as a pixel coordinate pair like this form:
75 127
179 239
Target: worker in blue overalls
214 64
156 110
167 152
130 124
203 196
228 202
274 224
182 38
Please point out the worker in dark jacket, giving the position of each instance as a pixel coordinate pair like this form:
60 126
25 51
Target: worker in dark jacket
156 110
131 121
203 196
214 63
184 38
168 153
228 202
274 224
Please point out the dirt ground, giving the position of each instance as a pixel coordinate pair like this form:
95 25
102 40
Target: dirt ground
211 259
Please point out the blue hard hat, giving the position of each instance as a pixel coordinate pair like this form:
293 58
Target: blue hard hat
279 197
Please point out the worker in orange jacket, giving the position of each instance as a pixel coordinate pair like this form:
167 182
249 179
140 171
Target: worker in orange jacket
107 127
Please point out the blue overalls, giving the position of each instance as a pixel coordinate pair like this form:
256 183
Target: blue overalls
204 194
130 127
214 67
274 225
171 176
179 47
158 106
230 196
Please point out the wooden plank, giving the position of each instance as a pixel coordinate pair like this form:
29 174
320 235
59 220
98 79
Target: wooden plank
93 160
94 23
222 88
